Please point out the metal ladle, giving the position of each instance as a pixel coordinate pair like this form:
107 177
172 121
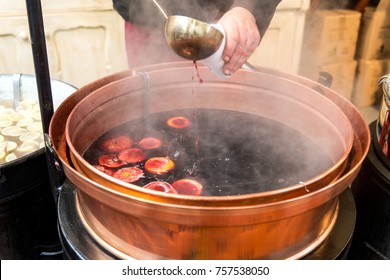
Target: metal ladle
190 38
193 39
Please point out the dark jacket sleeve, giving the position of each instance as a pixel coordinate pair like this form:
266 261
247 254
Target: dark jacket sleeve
145 13
263 11
142 12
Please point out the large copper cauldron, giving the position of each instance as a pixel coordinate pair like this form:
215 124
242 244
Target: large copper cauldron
133 222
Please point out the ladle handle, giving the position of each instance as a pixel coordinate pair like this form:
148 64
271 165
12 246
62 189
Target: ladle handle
160 8
325 79
248 66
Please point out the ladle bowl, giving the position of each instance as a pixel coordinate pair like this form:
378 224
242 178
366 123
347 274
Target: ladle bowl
192 39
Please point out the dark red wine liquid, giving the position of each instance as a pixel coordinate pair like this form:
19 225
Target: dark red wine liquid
237 153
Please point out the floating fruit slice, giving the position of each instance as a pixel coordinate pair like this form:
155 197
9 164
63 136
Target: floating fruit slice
187 187
8 146
129 174
6 130
159 165
3 154
110 161
5 123
104 169
16 132
132 155
30 136
178 122
3 117
160 186
15 117
25 122
26 148
35 126
10 157
149 143
117 143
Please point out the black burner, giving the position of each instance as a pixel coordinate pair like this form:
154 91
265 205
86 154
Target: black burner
371 190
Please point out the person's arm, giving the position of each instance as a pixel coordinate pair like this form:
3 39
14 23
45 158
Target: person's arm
262 10
245 25
140 12
121 6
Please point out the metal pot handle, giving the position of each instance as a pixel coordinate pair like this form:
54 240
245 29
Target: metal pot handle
326 79
56 170
248 66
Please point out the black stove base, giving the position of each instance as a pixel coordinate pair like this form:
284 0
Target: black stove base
371 190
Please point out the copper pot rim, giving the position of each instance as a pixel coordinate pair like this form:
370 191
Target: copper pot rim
290 191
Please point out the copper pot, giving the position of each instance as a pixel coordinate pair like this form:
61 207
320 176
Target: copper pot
133 222
272 98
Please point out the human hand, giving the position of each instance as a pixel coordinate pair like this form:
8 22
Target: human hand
242 38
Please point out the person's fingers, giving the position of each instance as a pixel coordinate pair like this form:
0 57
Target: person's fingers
232 40
242 38
242 47
243 54
238 56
